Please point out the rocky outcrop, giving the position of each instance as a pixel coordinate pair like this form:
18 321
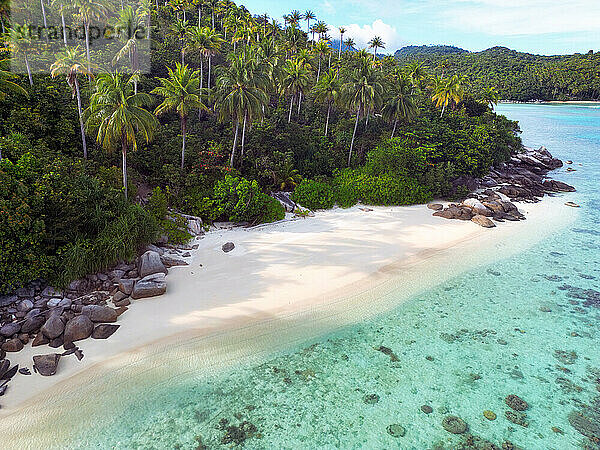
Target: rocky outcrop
78 328
522 179
149 264
98 313
150 286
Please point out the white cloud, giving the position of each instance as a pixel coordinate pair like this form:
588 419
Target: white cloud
363 34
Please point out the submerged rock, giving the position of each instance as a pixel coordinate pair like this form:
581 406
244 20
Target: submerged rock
516 402
371 399
427 409
516 417
585 425
396 430
489 415
454 425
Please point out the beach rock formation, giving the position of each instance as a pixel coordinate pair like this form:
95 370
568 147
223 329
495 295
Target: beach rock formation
522 179
78 328
483 221
150 263
46 365
104 331
150 286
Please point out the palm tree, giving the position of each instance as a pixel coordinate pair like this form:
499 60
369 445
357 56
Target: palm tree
128 23
239 95
416 73
182 94
490 97
19 43
208 43
62 8
321 28
322 49
342 32
308 16
401 104
294 18
361 93
71 62
376 43
4 14
179 29
87 11
349 43
447 91
213 6
119 115
328 91
295 81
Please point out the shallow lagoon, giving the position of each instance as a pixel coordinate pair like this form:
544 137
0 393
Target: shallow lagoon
527 325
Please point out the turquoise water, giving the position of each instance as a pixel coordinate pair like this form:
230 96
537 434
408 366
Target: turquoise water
527 325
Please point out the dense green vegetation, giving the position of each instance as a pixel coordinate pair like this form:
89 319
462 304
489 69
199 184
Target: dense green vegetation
516 76
98 163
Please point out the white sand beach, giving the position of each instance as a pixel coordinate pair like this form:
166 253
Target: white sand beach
283 282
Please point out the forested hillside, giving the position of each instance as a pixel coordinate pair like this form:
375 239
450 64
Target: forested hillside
234 106
517 76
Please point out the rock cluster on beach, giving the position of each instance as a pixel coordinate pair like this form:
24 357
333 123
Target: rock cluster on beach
42 315
522 179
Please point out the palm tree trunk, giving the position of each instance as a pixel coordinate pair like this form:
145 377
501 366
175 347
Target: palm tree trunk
374 53
209 66
329 60
201 84
28 71
44 16
353 136
86 25
299 103
394 130
213 18
291 105
124 154
244 134
199 14
327 123
183 135
64 27
237 127
443 109
340 50
2 23
81 118
319 72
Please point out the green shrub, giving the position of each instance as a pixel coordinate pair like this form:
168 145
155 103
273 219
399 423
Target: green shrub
314 195
274 211
353 186
174 226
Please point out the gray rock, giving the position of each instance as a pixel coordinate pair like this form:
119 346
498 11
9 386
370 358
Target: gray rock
483 221
25 292
53 327
227 247
53 302
150 286
120 296
50 292
104 331
435 206
116 274
46 365
126 286
150 263
32 324
9 329
79 327
25 305
99 313
171 261
6 300
12 345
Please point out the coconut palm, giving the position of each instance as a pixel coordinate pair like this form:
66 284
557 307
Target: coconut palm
294 18
19 43
361 93
322 49
4 14
342 32
294 81
308 16
328 91
128 22
62 6
214 4
207 42
179 29
349 43
490 97
182 94
376 43
401 104
239 96
119 115
447 91
416 73
321 28
87 11
71 63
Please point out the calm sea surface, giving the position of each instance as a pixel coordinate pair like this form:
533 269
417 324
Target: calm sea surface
528 325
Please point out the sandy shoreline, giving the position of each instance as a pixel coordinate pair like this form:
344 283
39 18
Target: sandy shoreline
282 284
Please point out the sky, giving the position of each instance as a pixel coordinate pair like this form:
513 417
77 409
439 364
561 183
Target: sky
547 27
